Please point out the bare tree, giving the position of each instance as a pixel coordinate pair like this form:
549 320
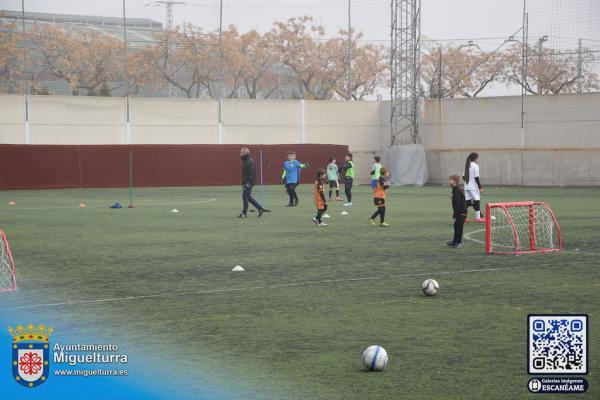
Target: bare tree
11 57
84 60
451 71
369 64
550 71
261 65
302 47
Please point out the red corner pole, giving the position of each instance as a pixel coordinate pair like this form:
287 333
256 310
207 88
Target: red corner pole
488 229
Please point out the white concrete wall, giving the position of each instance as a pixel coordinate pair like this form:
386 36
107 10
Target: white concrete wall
76 120
560 144
12 115
359 125
173 121
261 121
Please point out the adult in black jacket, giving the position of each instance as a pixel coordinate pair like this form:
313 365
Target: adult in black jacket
248 181
459 211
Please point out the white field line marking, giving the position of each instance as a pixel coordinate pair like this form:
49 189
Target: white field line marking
211 317
142 203
285 285
468 236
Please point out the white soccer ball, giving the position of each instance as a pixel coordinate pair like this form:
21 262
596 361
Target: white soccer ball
431 287
374 358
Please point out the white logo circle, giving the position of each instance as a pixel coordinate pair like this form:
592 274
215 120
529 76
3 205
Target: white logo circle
535 385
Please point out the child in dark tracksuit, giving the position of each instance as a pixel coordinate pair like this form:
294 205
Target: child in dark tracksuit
459 208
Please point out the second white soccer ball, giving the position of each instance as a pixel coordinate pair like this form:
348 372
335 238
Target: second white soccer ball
374 358
431 287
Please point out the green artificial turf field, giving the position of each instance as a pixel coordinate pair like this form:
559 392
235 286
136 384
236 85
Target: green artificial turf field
294 324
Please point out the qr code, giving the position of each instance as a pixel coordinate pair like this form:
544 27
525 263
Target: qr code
557 344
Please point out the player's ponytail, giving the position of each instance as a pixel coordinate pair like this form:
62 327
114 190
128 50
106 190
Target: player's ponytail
472 157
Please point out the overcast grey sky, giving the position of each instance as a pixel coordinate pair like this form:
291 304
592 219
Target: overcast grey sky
487 22
440 18
492 20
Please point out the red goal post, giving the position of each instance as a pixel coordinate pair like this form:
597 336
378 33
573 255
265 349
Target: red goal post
7 266
520 228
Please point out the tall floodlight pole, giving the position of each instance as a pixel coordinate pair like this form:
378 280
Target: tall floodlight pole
168 29
524 62
168 10
127 123
128 131
405 52
524 70
349 53
220 84
25 74
579 62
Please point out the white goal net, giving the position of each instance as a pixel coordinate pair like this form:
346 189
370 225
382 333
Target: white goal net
521 227
7 267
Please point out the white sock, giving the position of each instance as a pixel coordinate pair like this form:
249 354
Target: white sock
477 214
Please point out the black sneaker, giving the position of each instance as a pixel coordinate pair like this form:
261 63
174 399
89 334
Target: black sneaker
457 245
242 215
451 244
262 210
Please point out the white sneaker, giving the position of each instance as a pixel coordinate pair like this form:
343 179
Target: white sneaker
348 204
325 216
322 224
316 221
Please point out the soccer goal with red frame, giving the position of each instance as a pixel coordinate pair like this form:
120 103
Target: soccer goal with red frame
520 228
7 266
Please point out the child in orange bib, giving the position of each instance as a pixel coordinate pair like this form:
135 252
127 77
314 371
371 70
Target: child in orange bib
379 198
320 200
